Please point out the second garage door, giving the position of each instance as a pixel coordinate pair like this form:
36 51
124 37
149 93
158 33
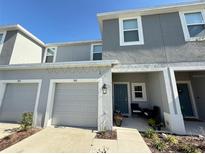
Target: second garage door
75 104
18 98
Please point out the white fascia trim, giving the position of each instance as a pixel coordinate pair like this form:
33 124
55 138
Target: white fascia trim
185 28
140 31
161 8
79 64
181 66
188 68
91 49
38 81
73 43
26 32
149 11
138 68
3 39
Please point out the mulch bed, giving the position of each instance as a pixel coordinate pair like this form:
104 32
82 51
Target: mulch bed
16 137
174 148
112 135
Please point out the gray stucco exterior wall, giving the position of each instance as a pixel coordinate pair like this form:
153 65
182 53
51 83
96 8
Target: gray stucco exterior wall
79 52
8 47
66 73
163 42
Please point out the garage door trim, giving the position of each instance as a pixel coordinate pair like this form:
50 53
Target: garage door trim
3 84
50 100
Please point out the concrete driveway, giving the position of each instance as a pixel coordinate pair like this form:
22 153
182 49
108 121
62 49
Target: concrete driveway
7 129
60 140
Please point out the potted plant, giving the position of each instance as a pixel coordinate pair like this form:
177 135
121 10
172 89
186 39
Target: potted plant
118 118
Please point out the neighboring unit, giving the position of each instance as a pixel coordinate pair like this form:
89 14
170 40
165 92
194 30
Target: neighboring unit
150 57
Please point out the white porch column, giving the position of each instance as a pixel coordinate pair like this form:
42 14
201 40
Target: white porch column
105 111
2 92
174 119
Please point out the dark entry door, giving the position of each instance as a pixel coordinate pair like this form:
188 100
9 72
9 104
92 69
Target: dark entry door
185 101
121 98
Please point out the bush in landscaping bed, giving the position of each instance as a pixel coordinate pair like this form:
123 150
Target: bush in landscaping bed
171 139
159 144
26 121
188 148
150 133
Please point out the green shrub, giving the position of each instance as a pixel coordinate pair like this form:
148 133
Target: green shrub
188 148
159 144
26 121
150 133
171 139
152 122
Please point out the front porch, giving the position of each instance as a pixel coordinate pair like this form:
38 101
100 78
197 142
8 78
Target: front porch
138 123
145 90
191 87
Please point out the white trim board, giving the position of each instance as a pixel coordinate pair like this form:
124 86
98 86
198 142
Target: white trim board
38 81
51 93
129 95
191 94
76 64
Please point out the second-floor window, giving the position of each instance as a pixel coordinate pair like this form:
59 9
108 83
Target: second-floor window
96 51
131 32
50 55
193 25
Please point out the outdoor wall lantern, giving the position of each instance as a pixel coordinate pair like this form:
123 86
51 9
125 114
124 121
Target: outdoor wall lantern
104 89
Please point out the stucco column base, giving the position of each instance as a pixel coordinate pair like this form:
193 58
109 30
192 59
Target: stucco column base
175 123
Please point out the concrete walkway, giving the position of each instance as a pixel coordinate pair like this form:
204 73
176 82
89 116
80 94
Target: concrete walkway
129 141
7 129
73 140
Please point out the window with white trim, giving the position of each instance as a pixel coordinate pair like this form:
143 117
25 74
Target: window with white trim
193 25
139 92
131 32
50 54
96 52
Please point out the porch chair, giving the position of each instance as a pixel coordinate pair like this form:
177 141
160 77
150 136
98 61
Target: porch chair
135 109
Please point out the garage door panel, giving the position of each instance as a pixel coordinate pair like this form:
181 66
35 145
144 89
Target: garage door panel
18 98
75 104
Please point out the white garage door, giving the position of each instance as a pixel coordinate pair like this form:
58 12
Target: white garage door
18 98
75 104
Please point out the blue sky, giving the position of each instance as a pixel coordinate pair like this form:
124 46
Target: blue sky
66 20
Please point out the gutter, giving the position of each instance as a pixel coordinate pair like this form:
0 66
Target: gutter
79 64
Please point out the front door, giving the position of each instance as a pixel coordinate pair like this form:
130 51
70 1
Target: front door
121 98
185 101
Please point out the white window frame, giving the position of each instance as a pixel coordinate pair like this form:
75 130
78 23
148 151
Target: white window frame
45 54
185 28
2 41
92 50
140 32
144 98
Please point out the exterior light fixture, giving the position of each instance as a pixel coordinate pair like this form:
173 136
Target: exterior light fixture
104 89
